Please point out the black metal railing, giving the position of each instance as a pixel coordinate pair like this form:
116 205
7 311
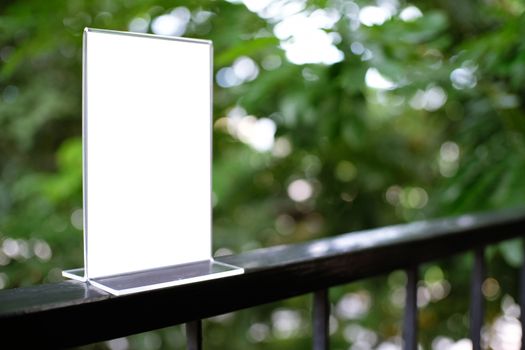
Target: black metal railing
73 313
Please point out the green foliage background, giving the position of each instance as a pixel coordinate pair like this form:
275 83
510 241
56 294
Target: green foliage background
372 156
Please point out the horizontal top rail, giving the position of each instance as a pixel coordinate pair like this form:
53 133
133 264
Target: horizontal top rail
72 313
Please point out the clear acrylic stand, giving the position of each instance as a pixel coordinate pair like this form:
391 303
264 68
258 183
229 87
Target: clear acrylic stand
147 104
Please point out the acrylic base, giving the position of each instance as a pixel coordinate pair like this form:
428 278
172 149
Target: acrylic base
75 274
158 278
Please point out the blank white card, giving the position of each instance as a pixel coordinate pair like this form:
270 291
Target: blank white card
147 152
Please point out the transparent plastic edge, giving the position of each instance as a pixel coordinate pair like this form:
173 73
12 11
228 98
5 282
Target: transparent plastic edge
118 292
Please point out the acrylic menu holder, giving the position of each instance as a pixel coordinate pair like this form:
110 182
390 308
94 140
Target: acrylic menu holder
147 104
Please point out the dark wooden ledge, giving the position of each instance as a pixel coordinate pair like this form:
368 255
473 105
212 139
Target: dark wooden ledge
73 313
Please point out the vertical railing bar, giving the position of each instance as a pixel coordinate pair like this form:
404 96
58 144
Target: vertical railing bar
410 319
476 301
522 296
321 319
194 335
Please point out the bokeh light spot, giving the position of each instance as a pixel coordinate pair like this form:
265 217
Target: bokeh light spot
300 190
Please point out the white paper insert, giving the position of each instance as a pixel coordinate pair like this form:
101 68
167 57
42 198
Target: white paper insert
147 152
